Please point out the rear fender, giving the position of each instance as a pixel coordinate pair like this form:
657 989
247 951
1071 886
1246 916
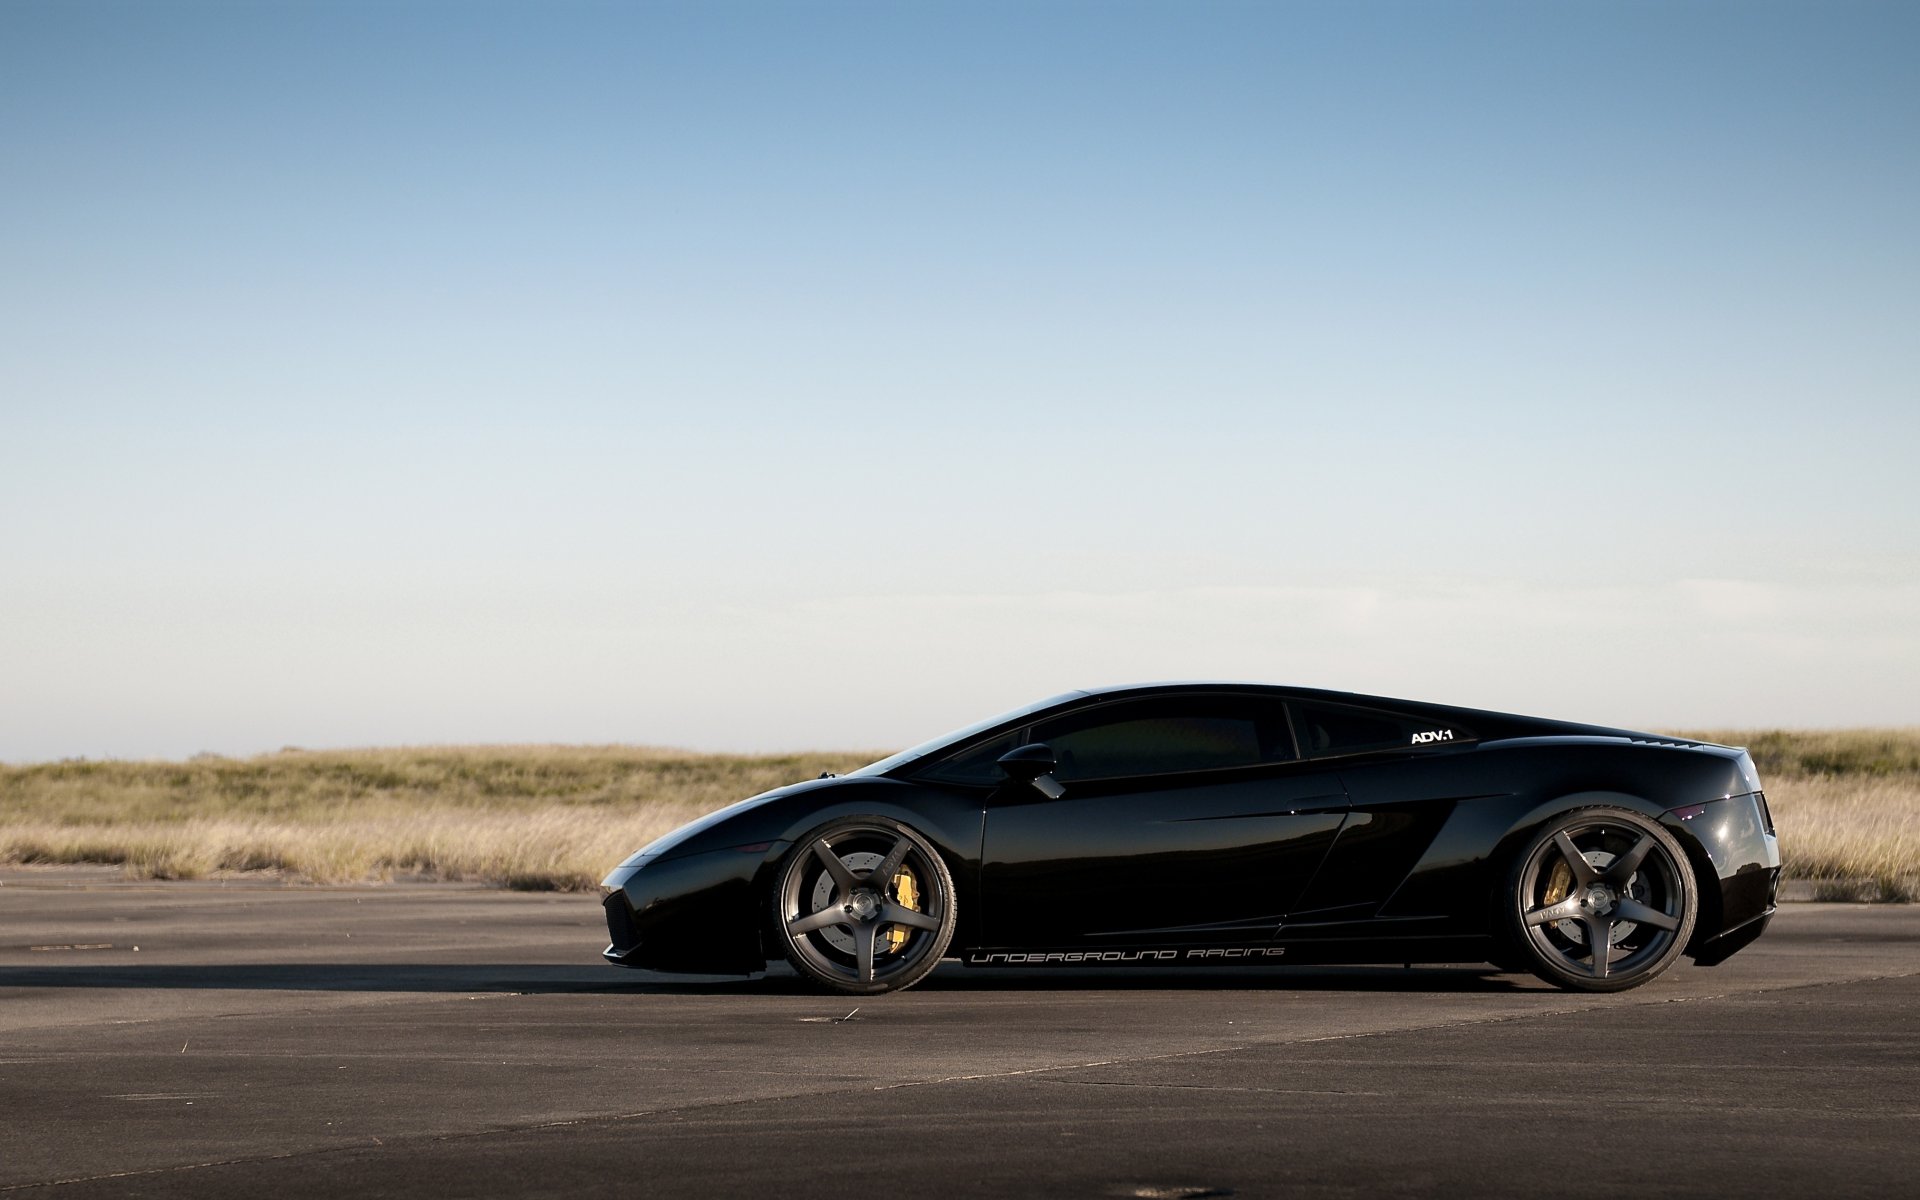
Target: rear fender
1712 918
1527 826
1706 877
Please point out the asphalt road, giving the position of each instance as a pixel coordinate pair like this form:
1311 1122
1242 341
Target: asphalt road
405 1040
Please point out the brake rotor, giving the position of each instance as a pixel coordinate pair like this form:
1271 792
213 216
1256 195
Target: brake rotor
905 892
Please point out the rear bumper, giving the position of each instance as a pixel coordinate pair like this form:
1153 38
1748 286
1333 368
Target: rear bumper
1739 876
1718 950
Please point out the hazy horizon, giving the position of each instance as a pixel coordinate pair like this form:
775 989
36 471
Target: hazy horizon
791 376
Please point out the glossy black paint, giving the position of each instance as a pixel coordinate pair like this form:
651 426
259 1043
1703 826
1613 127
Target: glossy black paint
704 904
1394 853
1171 859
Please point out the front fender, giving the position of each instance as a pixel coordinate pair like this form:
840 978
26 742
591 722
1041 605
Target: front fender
699 898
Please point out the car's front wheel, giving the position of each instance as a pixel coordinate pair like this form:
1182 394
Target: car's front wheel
1601 900
864 906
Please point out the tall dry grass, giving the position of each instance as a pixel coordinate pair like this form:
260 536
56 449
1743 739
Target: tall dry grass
1846 802
1839 753
521 816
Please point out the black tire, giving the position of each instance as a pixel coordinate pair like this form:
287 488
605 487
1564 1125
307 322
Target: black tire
1600 876
864 905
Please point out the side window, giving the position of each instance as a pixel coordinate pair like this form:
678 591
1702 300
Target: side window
978 764
1159 736
1326 729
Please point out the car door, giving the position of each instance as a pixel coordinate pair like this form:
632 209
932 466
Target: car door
1406 774
1183 818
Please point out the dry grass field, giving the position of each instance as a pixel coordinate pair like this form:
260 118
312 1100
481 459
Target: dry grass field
522 816
1847 804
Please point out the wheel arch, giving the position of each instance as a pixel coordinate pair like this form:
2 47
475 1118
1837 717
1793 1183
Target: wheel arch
1706 878
1524 828
1711 920
963 870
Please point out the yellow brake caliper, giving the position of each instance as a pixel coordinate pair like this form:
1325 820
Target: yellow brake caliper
1558 883
906 892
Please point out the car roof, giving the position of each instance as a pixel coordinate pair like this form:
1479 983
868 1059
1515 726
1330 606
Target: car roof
1230 685
1491 722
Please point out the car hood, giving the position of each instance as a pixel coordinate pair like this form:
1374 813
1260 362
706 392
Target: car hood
668 844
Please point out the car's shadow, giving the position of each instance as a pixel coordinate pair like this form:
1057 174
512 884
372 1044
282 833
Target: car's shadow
548 979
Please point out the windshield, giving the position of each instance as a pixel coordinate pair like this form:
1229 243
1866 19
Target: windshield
960 735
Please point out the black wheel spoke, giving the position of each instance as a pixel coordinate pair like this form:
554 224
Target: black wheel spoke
832 914
1621 869
843 879
900 914
1565 910
1599 943
1583 872
890 865
863 936
1644 914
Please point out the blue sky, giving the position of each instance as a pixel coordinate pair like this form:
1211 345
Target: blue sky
759 376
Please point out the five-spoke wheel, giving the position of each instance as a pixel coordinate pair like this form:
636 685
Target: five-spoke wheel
1601 901
864 906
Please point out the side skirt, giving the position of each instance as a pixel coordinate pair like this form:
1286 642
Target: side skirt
1319 951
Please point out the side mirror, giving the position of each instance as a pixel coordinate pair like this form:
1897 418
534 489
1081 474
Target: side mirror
1033 763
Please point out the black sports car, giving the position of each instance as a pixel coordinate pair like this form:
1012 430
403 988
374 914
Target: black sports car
1224 823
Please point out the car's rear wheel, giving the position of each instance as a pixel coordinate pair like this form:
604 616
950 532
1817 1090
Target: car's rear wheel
1602 900
864 906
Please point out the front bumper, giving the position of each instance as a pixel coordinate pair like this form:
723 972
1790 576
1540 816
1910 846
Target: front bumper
623 932
693 914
